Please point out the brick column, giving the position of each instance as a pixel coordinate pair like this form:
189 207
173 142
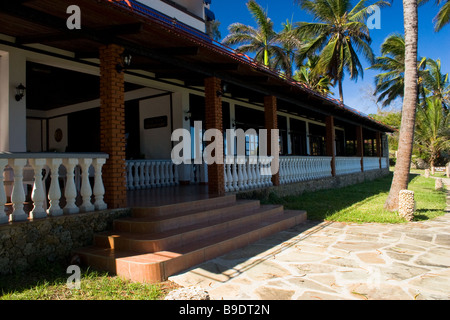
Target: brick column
360 145
213 117
271 122
331 147
112 125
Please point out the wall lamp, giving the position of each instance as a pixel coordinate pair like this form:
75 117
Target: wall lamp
20 92
224 90
188 115
126 62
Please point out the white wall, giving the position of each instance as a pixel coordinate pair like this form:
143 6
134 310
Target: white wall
155 143
13 113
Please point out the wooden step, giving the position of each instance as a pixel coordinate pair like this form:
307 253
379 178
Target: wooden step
153 242
161 223
158 266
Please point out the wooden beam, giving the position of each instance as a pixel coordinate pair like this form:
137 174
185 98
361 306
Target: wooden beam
178 51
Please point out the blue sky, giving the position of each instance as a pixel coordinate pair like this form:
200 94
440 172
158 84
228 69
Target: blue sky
431 44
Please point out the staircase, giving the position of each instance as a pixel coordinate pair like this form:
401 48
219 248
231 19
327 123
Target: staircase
157 242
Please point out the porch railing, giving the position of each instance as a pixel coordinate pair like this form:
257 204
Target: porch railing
72 171
301 168
347 165
146 174
243 173
371 163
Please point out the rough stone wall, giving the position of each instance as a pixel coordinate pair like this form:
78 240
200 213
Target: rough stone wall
23 244
313 185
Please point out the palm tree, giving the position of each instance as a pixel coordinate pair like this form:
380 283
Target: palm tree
389 85
290 44
316 82
432 129
410 99
443 16
262 41
339 34
436 84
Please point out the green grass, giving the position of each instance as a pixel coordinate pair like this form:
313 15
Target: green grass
49 282
364 202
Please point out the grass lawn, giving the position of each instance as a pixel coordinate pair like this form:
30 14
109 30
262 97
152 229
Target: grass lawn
359 203
49 282
364 202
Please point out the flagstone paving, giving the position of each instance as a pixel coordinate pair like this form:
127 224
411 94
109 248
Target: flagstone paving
333 260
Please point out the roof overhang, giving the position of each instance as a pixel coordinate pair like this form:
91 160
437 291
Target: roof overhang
164 47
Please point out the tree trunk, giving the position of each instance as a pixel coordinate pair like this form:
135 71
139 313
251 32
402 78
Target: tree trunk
406 138
341 91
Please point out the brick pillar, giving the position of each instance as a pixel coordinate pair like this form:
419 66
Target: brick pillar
213 117
379 147
271 122
112 125
331 147
360 145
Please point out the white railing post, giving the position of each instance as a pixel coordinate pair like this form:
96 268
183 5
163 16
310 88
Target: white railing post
130 182
86 189
3 216
99 189
71 190
38 194
18 193
54 193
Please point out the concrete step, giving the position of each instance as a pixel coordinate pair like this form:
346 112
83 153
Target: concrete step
158 266
166 240
183 207
161 223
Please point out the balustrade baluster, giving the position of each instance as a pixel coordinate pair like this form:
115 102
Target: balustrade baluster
86 189
235 176
54 192
18 193
130 180
3 217
99 189
38 194
141 175
157 174
70 191
147 174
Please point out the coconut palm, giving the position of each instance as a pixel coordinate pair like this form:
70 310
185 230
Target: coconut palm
316 82
432 133
290 44
443 16
389 84
338 36
410 99
261 41
436 84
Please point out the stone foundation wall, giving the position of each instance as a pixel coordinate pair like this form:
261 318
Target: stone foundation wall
22 244
313 185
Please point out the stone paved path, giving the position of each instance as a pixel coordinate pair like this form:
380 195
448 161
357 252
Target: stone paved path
332 260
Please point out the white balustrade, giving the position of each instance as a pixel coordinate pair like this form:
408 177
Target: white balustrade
347 165
371 163
384 163
20 169
247 173
147 174
302 168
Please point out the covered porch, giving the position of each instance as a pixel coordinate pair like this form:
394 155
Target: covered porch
81 97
